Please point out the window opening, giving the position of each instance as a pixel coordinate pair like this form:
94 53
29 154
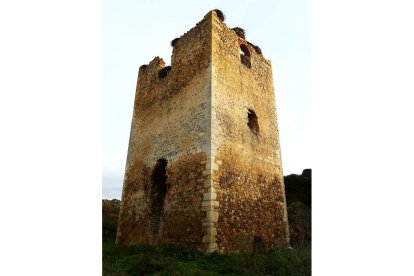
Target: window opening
258 245
158 193
245 56
164 72
253 122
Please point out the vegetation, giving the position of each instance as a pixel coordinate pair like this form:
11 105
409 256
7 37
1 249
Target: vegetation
220 15
240 32
298 200
298 188
177 260
174 41
258 50
110 212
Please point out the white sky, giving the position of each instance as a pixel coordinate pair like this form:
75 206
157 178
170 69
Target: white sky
134 32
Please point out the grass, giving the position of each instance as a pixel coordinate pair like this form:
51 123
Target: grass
177 260
170 259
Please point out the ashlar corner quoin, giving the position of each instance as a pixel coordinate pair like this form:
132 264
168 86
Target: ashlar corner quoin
204 166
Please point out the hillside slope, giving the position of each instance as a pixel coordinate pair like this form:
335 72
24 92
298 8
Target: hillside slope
298 190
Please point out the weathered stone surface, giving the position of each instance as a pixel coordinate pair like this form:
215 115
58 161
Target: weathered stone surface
212 119
209 196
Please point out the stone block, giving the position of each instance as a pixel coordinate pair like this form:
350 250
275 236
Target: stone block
212 247
212 231
211 190
208 224
209 239
207 208
212 216
209 196
212 166
208 183
210 206
214 203
206 172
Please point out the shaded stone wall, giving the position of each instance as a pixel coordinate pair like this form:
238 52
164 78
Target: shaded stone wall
181 221
170 121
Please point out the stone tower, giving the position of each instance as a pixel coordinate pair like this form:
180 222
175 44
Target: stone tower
203 166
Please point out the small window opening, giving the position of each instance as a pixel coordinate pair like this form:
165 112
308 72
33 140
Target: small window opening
245 56
158 192
253 122
164 72
258 245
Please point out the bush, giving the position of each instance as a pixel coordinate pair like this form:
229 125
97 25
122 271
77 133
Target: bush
257 49
178 260
240 32
220 15
298 188
174 41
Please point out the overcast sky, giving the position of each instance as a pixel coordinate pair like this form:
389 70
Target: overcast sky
134 32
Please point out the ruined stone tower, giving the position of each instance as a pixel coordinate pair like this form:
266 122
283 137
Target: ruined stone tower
203 166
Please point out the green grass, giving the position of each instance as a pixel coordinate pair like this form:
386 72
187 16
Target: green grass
177 260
